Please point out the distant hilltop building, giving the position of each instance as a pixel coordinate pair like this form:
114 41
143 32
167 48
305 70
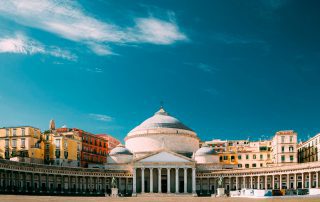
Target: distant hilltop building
160 155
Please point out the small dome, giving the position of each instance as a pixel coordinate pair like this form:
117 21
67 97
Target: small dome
205 150
161 119
120 149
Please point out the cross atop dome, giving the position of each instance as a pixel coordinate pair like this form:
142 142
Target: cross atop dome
162 111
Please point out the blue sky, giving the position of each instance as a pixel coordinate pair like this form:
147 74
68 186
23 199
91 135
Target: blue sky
227 69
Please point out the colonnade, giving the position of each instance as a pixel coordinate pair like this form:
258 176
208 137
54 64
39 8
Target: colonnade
30 182
294 180
164 180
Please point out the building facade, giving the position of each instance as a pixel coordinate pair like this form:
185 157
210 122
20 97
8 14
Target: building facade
94 148
112 141
162 155
62 147
21 144
309 151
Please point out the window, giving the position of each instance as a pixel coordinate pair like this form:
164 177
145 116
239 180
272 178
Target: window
57 154
220 158
239 165
282 139
225 158
291 158
47 146
247 165
282 148
261 164
254 156
268 156
283 158
23 142
57 143
7 143
23 132
261 157
254 165
232 158
291 138
14 143
247 156
47 137
7 132
239 157
14 132
291 149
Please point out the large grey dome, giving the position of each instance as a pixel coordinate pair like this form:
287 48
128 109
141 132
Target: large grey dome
161 119
205 150
120 149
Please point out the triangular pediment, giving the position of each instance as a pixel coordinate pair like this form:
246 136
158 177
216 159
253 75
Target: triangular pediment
164 156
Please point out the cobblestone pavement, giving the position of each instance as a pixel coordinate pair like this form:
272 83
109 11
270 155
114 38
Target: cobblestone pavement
20 198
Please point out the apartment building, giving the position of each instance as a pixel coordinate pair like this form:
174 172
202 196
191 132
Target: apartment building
284 147
21 143
309 151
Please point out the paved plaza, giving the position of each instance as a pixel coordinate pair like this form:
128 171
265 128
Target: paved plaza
20 198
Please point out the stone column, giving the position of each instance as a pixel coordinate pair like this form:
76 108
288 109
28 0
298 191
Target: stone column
251 182
159 180
288 181
244 182
258 186
177 180
134 181
295 181
280 180
302 180
127 185
54 183
168 180
151 180
237 183
77 186
310 181
25 182
142 180
32 182
47 183
317 180
193 180
185 180
273 182
265 182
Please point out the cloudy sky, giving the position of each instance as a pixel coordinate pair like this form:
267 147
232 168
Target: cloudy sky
227 69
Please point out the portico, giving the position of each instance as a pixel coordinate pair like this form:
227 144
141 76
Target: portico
164 172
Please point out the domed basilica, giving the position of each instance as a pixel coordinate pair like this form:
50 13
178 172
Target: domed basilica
162 153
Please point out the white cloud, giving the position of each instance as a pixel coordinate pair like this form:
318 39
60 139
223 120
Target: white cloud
157 31
21 44
68 20
101 117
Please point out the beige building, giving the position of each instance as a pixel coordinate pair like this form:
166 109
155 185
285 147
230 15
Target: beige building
22 143
62 147
284 147
309 151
